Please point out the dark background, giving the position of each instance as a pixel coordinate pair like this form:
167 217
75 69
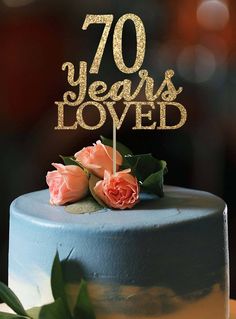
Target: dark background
195 38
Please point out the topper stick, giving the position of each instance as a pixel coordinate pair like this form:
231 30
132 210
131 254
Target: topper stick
114 147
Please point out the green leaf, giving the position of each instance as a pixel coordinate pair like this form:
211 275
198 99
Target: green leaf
8 297
5 315
142 165
55 310
92 182
84 206
121 148
83 308
154 182
34 312
69 160
149 172
57 283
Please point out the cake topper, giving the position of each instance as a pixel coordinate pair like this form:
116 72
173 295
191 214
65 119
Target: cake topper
104 99
113 175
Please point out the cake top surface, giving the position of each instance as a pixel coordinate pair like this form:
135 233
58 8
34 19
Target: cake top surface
178 205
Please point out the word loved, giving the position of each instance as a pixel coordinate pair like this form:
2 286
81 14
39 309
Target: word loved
105 100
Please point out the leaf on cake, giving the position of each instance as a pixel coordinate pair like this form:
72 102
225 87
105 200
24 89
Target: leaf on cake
92 182
58 309
54 310
7 296
5 315
70 160
85 205
34 312
57 284
154 182
83 307
149 172
121 148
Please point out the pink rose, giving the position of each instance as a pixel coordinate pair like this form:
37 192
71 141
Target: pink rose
98 158
66 184
120 190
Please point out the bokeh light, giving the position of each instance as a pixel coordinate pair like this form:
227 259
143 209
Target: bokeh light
213 14
17 3
196 64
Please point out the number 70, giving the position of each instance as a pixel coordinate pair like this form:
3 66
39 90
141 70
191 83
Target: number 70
117 40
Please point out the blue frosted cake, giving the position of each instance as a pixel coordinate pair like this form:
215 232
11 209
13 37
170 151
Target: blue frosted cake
166 258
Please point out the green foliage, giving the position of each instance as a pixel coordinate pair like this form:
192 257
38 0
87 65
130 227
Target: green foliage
69 160
83 206
57 283
92 182
56 310
83 308
121 148
8 297
154 182
53 310
149 172
34 312
5 315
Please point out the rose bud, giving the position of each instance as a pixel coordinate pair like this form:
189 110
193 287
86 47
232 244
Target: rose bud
98 158
120 190
66 184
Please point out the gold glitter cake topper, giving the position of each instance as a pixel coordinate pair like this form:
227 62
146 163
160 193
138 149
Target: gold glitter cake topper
104 99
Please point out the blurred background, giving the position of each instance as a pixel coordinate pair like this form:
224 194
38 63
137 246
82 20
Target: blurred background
196 38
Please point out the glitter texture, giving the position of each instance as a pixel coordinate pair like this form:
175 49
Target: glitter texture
122 90
99 19
183 116
102 114
117 43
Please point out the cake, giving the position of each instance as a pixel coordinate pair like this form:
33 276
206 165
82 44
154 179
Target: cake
165 258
